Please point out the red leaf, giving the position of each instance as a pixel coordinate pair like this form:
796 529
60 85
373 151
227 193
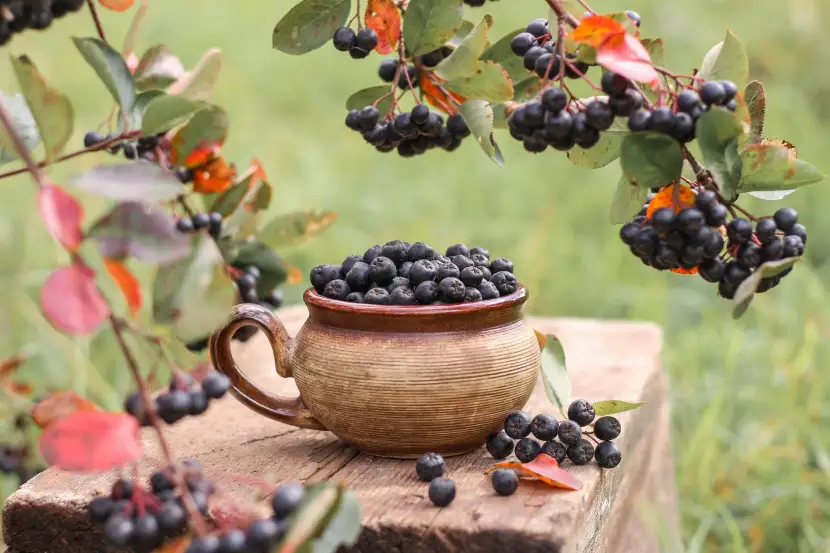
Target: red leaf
625 55
59 405
71 301
127 283
594 29
385 19
201 154
214 176
62 215
91 441
544 468
117 5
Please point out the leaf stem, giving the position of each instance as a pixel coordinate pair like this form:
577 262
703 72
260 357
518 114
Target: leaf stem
93 9
562 13
17 140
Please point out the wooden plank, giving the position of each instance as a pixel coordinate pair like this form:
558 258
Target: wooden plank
607 360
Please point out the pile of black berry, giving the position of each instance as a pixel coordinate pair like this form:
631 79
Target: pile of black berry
682 240
559 439
141 148
183 397
430 468
388 68
538 49
398 273
358 44
408 133
18 15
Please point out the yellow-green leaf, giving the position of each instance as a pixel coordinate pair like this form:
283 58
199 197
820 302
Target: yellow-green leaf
292 228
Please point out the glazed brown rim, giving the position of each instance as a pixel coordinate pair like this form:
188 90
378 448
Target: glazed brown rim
313 299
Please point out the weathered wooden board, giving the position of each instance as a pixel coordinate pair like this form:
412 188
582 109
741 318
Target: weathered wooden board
607 360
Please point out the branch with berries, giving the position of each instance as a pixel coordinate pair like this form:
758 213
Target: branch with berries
647 117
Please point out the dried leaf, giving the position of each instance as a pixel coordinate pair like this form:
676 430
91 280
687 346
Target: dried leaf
11 364
625 55
62 214
117 5
666 198
594 29
438 96
214 176
58 405
91 441
383 16
127 283
544 468
71 301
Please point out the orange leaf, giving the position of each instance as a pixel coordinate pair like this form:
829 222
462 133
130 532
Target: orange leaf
58 405
127 283
438 96
179 545
215 176
625 55
385 19
682 271
594 29
200 155
62 215
544 468
117 5
10 365
295 275
91 441
18 388
541 338
665 198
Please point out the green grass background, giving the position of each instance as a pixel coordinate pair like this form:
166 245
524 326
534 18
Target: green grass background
750 398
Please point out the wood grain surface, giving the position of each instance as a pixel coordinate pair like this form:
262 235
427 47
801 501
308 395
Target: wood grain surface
608 360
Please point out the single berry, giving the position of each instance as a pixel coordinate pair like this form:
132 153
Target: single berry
426 292
101 507
451 290
798 230
119 530
122 489
408 78
431 59
447 270
422 271
398 282
499 445
765 230
739 230
716 215
377 296
639 120
505 283
662 120
634 17
538 28
730 90
689 221
480 260
734 273
471 276
547 65
607 428
215 385
201 221
522 42
382 270
369 117
712 270
554 99
403 270
402 295
457 126
614 84
366 39
504 481
544 426
173 406
773 250
688 101
608 455
350 262
626 104
581 412
599 115
712 93
161 481
355 297
93 138
232 541
581 453
527 449
263 534
419 114
429 466
353 120
359 277
517 425
582 133
662 220
171 517
287 498
488 290
793 247
462 262
785 218
198 398
726 290
146 531
441 491
321 275
387 69
337 289
684 127
344 39
555 449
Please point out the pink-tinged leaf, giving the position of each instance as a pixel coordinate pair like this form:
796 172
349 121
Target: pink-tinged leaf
58 405
71 301
62 214
91 441
625 55
544 468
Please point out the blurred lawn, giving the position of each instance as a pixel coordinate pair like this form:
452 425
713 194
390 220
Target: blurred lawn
751 414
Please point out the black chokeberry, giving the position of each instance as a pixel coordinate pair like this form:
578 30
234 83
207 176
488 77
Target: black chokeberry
462 262
353 120
488 290
173 406
785 218
359 277
527 449
447 270
684 127
501 264
451 290
607 428
599 116
581 453
431 59
726 290
554 99
538 28
402 295
122 489
355 297
472 295
739 230
662 120
422 271
382 270
734 273
171 517
581 412
408 77
403 270
198 398
458 126
471 276
426 292
93 138
366 39
730 90
798 230
689 221
505 283
119 530
634 17
555 449
369 117
344 39
558 125
376 296
398 282
765 230
499 445
321 275
429 466
349 262
201 221
263 534
614 84
716 215
608 455
687 101
101 507
504 481
626 104
216 385
713 93
522 42
387 69
639 120
146 531
232 541
287 498
395 251
441 491
712 270
773 250
517 425
544 426
793 247
337 289
547 65
419 114
161 481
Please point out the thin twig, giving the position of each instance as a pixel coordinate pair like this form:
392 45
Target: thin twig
556 6
31 166
97 19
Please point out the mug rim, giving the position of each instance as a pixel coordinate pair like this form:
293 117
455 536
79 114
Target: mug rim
313 299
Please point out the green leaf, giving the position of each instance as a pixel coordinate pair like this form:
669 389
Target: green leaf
490 82
756 101
311 520
23 123
309 25
614 406
527 89
142 231
136 117
291 229
587 54
208 126
717 135
158 68
555 374
242 203
746 291
199 82
627 202
429 24
726 60
111 69
657 51
272 271
343 527
478 114
463 62
195 294
651 159
502 53
770 166
138 181
51 110
607 149
461 33
369 96
165 112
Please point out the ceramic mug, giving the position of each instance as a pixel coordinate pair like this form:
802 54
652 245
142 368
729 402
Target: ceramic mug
394 381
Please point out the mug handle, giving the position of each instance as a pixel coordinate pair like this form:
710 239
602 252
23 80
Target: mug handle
287 410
